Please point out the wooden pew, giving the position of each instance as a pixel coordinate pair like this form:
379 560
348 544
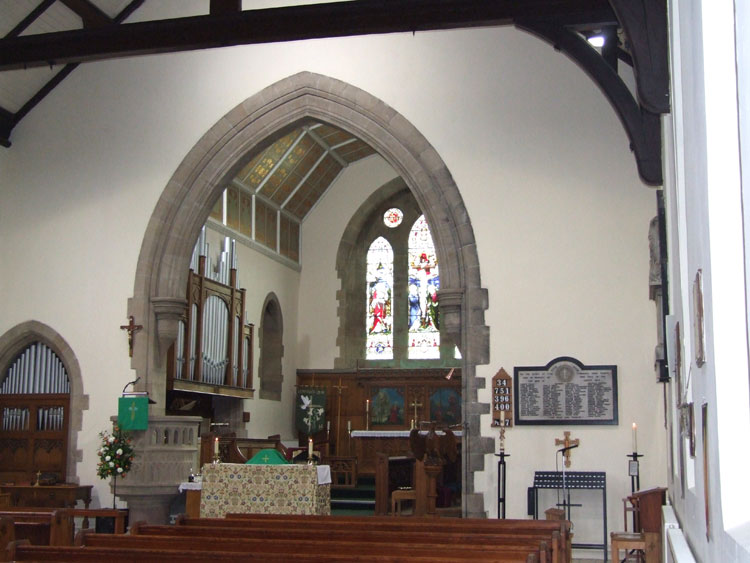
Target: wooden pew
281 542
111 554
474 545
42 526
467 525
324 546
84 513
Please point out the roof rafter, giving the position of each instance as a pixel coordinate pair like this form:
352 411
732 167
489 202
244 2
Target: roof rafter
88 12
337 19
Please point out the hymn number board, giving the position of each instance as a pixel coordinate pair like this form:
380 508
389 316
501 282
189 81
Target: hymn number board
502 399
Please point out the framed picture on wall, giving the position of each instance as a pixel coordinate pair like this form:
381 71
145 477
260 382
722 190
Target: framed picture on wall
698 320
445 406
387 407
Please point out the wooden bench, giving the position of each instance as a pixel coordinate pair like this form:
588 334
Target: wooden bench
486 542
543 528
42 526
315 538
112 554
324 545
84 513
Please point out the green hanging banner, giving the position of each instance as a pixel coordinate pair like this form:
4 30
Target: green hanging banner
132 413
310 409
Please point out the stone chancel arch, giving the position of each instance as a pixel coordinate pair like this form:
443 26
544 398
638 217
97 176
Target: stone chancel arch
199 180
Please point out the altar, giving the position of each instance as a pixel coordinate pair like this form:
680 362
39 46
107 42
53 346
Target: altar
393 443
265 489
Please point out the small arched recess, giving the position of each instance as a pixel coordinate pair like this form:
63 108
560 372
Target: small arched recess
271 345
20 337
189 196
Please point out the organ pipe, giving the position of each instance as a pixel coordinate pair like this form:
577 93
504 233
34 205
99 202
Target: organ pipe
212 347
37 370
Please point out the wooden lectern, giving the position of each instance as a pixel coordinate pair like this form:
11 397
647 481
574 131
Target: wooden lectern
646 536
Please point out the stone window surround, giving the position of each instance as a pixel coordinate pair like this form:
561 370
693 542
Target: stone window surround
158 300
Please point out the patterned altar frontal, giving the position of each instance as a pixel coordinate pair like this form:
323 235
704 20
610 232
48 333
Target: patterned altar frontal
265 489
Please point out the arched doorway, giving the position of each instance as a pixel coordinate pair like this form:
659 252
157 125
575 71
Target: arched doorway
199 180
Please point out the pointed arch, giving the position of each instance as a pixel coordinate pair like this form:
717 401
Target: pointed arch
271 344
158 300
18 339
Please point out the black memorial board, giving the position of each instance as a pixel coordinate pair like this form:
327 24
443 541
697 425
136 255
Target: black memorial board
565 392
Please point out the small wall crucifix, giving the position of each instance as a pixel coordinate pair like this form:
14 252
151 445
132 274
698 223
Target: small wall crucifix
132 328
566 443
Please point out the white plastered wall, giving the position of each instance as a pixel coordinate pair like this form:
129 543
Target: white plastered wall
706 232
560 217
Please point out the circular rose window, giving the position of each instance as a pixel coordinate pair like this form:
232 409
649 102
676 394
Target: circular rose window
393 217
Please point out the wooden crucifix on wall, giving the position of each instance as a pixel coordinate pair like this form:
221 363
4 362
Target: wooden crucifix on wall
132 328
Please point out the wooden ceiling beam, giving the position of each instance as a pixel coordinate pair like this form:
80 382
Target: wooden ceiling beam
30 18
88 12
642 126
291 23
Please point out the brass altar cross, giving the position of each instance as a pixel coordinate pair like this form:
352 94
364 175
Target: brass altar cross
566 443
131 327
416 405
338 388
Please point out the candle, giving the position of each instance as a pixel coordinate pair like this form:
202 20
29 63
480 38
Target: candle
328 426
502 417
309 448
367 405
635 437
349 425
216 447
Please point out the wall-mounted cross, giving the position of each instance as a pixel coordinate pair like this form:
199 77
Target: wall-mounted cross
131 327
338 388
566 443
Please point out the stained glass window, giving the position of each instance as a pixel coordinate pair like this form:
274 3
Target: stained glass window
422 301
379 301
393 217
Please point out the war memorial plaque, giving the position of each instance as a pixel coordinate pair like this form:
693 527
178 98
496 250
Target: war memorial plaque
565 392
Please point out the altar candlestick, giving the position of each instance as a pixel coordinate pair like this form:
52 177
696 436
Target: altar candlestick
309 448
216 447
635 437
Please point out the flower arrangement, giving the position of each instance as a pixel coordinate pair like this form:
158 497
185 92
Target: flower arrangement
115 455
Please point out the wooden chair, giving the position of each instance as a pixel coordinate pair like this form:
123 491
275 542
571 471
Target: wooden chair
637 544
400 495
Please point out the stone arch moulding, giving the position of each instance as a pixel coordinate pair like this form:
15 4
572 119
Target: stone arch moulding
158 300
15 341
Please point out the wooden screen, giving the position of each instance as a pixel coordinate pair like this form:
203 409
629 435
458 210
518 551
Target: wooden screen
34 416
